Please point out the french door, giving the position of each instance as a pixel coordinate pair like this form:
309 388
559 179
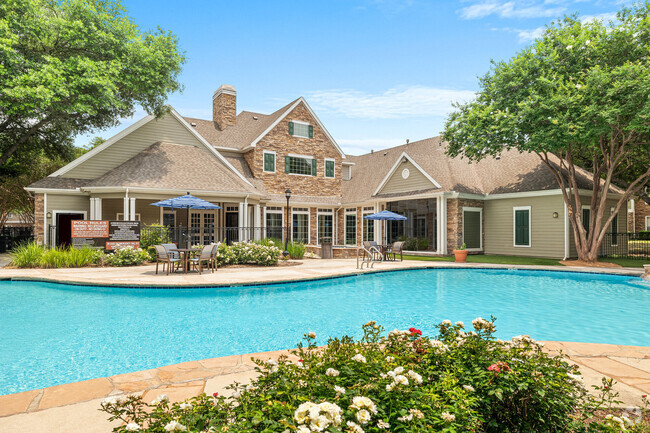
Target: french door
202 226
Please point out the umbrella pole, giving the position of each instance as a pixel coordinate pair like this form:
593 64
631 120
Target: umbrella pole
188 227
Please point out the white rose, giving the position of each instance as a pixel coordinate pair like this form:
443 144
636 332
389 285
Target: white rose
383 425
461 324
311 334
339 390
359 358
448 417
175 426
363 416
319 423
186 406
401 380
331 372
469 388
390 359
161 398
132 426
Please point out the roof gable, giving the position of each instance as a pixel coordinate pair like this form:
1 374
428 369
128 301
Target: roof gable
405 175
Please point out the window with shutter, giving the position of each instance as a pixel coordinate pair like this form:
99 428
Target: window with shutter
522 226
313 167
290 128
329 168
269 162
301 129
300 165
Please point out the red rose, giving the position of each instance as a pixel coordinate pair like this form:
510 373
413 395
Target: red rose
499 367
216 394
414 331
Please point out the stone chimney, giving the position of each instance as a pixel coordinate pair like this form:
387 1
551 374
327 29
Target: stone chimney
224 106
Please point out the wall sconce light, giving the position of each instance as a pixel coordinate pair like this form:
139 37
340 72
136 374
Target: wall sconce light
49 215
555 215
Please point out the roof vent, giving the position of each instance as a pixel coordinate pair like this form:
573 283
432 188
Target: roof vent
372 150
385 153
254 117
407 141
193 124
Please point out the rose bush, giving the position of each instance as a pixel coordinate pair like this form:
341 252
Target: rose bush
242 253
127 256
459 381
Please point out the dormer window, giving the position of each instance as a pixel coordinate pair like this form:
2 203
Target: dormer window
301 129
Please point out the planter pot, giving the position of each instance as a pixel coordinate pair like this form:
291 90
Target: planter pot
461 256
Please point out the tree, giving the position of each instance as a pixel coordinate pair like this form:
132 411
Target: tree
73 66
579 93
93 143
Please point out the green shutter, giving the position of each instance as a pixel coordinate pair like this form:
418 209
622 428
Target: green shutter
286 164
290 128
269 162
311 131
329 168
313 167
522 227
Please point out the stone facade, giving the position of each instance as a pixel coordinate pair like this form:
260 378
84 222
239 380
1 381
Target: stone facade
39 228
282 143
641 211
224 107
455 221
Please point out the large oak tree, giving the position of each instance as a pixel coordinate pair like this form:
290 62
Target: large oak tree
72 66
579 95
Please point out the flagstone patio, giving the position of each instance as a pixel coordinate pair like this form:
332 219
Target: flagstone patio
73 408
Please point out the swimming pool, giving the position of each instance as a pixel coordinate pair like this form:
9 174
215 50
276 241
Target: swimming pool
56 333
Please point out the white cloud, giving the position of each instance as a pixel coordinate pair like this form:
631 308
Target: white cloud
530 35
511 9
605 17
413 101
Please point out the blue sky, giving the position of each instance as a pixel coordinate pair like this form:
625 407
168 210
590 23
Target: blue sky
377 72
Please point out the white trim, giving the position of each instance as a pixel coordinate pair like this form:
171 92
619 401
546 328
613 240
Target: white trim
59 211
514 226
302 212
289 110
275 161
301 122
331 214
480 211
296 155
46 229
325 168
582 192
647 223
348 163
394 169
356 226
75 191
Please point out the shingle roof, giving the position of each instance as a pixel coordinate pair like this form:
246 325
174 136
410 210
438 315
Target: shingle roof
173 166
297 200
56 182
248 127
513 172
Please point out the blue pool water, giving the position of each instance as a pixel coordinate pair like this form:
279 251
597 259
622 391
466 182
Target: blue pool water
55 333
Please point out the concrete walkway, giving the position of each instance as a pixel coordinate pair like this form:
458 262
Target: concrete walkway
230 275
73 408
4 260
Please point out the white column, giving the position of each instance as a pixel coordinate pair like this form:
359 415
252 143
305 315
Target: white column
132 210
46 228
125 210
240 221
98 208
257 222
92 208
443 225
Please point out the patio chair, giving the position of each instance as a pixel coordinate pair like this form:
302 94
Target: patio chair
169 248
213 256
205 256
395 249
371 254
162 256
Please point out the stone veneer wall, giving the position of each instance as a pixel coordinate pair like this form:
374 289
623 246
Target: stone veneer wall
455 221
224 110
641 210
319 147
39 228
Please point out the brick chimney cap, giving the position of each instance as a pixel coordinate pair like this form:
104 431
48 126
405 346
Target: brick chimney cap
226 89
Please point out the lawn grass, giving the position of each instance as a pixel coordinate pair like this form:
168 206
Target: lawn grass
516 260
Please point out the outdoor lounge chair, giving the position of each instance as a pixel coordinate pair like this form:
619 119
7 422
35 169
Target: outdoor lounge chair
205 256
170 250
213 256
162 256
395 249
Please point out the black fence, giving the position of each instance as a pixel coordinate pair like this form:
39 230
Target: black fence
13 236
184 236
626 245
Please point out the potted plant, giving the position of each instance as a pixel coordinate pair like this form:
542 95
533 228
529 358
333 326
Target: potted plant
461 253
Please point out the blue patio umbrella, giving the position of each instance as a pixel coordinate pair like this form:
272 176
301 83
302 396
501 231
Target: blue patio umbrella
186 202
386 215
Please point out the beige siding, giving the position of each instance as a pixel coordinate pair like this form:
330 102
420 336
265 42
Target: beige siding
622 226
415 182
72 203
166 129
547 233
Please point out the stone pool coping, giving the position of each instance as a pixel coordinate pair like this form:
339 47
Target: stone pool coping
74 407
310 269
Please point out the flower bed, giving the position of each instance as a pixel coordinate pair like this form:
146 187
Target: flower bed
242 253
459 381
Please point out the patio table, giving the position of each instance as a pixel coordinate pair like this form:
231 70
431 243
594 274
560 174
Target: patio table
185 255
385 251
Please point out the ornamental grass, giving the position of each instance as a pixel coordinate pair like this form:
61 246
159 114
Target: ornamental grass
457 381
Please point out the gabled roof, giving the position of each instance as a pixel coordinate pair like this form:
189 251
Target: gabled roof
251 127
392 171
173 166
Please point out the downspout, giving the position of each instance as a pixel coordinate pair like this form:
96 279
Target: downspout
567 251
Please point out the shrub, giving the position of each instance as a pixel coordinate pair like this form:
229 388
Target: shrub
242 253
27 255
296 250
54 258
461 381
414 244
644 235
127 256
154 234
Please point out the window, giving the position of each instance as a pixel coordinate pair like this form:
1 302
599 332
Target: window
269 161
169 219
351 228
614 229
274 224
420 227
522 226
301 129
472 228
300 227
325 228
329 168
586 217
300 165
647 223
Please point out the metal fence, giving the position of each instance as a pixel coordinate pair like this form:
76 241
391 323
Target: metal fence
626 245
184 236
13 236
